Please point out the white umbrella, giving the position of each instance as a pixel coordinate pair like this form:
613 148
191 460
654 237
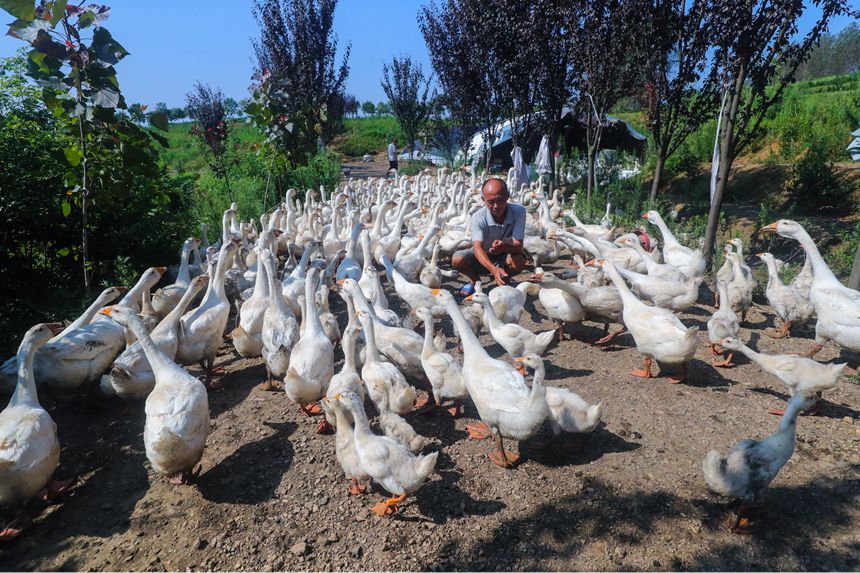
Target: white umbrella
544 166
519 166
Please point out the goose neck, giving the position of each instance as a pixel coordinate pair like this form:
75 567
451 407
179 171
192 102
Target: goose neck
183 277
820 270
311 313
25 390
471 346
369 327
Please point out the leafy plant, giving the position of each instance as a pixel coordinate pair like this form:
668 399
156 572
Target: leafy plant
407 89
206 106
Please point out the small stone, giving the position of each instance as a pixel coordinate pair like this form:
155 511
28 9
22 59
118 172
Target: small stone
848 420
360 516
324 500
300 548
356 552
278 564
333 538
200 543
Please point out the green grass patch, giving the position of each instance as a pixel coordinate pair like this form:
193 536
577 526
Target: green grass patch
367 135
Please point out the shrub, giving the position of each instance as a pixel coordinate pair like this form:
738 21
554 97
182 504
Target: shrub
814 186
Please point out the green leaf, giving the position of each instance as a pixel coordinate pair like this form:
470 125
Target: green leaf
64 252
158 120
27 30
86 19
57 11
105 48
73 156
67 209
21 9
106 98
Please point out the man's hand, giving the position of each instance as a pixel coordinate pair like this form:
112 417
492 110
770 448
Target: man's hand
496 247
500 275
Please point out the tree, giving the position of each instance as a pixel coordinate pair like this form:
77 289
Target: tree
206 108
383 108
674 56
350 105
231 107
137 112
754 60
368 108
606 32
176 113
303 87
407 89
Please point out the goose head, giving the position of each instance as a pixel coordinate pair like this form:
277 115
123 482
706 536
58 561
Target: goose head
732 344
531 360
785 228
423 313
42 333
653 217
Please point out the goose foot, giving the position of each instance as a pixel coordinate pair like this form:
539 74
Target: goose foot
310 410
479 431
423 405
608 337
270 386
742 522
813 351
55 488
814 409
356 488
727 363
454 410
541 444
716 350
644 372
9 533
783 332
503 459
561 332
187 476
573 444
325 428
389 506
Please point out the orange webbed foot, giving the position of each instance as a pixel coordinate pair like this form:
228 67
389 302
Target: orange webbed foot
504 459
9 533
479 431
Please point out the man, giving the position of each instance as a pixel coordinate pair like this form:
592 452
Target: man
392 155
498 230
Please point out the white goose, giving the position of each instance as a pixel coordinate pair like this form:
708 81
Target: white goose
344 443
312 359
248 336
688 261
383 377
723 323
658 333
202 329
786 301
131 376
280 328
177 409
29 447
507 406
443 371
516 340
168 297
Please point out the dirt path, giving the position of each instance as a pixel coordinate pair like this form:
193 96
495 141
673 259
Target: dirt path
272 496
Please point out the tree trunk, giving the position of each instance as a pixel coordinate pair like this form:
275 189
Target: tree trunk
658 172
854 280
591 159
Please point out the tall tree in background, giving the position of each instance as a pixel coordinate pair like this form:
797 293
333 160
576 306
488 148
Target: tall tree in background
674 57
368 108
407 89
606 32
299 82
459 42
350 105
205 107
756 57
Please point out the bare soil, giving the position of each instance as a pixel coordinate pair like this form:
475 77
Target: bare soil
272 496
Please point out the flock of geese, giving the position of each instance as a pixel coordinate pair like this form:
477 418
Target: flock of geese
281 273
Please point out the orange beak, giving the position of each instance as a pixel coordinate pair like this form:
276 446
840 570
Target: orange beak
106 310
770 228
470 297
161 270
341 281
759 254
435 291
645 216
520 359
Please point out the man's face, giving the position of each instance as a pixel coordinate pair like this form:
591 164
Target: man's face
496 198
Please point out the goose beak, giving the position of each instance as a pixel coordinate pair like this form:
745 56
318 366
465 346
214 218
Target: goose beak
770 228
645 216
121 289
161 270
55 327
537 277
341 282
435 291
470 297
759 255
520 359
106 310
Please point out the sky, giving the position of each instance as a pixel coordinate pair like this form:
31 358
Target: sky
174 43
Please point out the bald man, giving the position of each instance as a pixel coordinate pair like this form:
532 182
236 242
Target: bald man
498 230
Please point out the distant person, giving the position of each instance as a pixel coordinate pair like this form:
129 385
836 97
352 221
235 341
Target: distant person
392 155
498 231
367 158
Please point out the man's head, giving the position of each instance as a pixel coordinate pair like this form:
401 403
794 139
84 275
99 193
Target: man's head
495 194
394 140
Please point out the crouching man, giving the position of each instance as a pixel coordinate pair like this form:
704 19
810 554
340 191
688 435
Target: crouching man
498 230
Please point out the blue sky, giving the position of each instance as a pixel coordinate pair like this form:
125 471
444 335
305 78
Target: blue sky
174 43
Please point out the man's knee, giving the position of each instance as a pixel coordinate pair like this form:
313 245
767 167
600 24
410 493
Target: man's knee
516 263
458 262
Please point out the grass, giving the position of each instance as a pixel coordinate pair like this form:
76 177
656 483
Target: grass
367 135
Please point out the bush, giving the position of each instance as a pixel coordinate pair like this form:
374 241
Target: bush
815 188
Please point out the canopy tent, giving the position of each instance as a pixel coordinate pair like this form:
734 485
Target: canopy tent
617 134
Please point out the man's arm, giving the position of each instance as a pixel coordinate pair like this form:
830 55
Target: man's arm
499 274
507 246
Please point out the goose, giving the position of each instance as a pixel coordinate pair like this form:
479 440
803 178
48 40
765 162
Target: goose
248 336
664 293
800 375
280 330
507 406
746 471
349 267
688 261
725 273
312 359
787 302
653 268
29 447
107 295
738 289
414 294
327 319
293 284
394 426
410 265
386 461
344 443
431 275
567 411
588 275
167 297
508 301
131 376
348 379
369 281
147 313
746 271
177 409
386 316
202 329
558 304
443 371
386 385
516 340
803 281
658 333
601 304
81 355
723 323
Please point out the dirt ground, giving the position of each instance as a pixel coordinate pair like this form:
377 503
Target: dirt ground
272 496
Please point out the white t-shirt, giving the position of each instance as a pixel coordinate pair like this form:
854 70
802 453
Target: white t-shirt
392 152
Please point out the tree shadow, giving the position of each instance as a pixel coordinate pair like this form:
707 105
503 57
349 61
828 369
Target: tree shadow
557 532
253 472
235 388
595 445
